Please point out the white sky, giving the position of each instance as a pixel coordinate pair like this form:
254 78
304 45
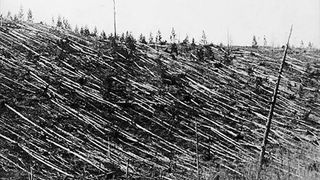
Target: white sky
242 18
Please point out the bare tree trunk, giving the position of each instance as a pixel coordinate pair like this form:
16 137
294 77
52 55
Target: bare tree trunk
273 103
0 15
114 19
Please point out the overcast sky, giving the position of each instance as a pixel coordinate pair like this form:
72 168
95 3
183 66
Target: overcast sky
242 18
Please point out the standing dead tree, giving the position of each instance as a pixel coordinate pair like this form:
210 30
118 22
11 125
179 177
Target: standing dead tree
114 19
0 21
273 103
0 15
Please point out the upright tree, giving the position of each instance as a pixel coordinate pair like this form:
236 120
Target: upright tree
158 37
29 16
122 38
186 40
142 39
130 42
66 24
301 44
173 36
193 43
86 31
76 29
9 16
114 19
204 38
82 31
265 43
95 32
151 38
53 21
127 34
0 15
103 35
228 39
254 42
21 14
272 106
59 22
15 18
310 45
110 37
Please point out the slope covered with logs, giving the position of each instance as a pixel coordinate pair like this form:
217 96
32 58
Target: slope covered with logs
77 107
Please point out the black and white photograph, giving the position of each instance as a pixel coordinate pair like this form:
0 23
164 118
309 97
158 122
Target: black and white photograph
159 90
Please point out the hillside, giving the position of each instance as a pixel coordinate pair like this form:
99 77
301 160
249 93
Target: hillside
75 107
